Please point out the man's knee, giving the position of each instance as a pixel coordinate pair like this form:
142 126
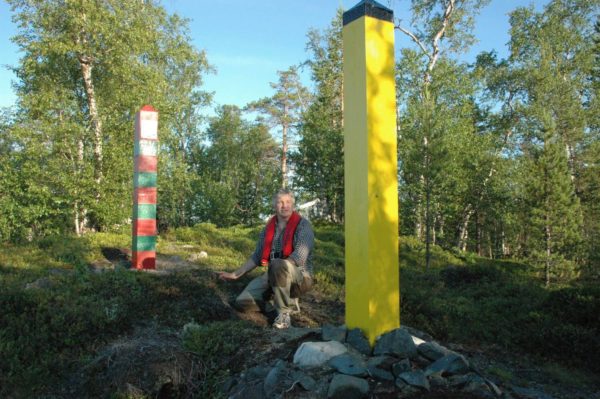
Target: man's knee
280 272
244 303
296 290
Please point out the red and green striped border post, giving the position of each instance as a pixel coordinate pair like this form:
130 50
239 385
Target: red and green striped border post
143 246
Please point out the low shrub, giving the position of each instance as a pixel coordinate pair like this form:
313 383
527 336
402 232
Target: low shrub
216 343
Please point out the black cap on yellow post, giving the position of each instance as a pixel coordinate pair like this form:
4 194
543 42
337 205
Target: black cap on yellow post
368 8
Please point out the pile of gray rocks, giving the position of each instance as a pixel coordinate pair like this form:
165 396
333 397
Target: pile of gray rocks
403 363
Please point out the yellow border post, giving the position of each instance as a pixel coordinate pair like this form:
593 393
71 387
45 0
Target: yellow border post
370 165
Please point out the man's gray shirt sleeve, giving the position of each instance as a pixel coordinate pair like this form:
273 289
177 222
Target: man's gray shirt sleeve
257 255
304 239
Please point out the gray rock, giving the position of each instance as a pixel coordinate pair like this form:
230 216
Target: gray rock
418 333
478 386
401 384
459 381
397 342
356 339
401 367
380 367
415 379
449 365
437 381
314 354
256 373
304 380
349 364
275 379
382 362
380 374
406 389
420 361
347 387
333 333
432 350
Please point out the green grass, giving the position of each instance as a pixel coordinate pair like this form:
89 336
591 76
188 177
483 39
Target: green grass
48 332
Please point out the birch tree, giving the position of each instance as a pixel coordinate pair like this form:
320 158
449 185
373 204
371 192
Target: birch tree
86 68
437 27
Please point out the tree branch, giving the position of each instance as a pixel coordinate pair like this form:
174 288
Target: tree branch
436 39
414 39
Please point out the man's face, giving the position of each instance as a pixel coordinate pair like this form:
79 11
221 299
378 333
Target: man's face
284 206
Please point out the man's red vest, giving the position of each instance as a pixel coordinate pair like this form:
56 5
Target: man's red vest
288 237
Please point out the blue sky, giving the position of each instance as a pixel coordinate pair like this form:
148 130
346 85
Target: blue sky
249 41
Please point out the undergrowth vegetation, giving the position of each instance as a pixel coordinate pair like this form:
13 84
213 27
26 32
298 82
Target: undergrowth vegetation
57 312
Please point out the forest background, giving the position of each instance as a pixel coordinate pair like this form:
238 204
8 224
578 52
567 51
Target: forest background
497 156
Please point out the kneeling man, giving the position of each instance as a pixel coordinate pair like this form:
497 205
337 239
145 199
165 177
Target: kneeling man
285 248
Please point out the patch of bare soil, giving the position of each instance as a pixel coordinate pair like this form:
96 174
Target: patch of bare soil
147 362
316 311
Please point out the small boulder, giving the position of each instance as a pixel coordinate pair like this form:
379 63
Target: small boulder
451 364
275 378
379 367
397 342
256 373
333 333
479 387
314 354
198 256
349 364
432 350
356 339
347 387
437 381
304 380
415 379
380 374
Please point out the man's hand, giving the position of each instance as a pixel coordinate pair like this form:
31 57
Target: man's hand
226 276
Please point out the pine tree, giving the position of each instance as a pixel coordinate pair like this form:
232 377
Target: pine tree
556 212
283 110
319 159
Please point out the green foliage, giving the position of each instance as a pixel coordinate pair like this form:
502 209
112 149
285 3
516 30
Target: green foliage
218 340
319 159
87 67
502 303
44 329
67 250
553 59
238 171
283 110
